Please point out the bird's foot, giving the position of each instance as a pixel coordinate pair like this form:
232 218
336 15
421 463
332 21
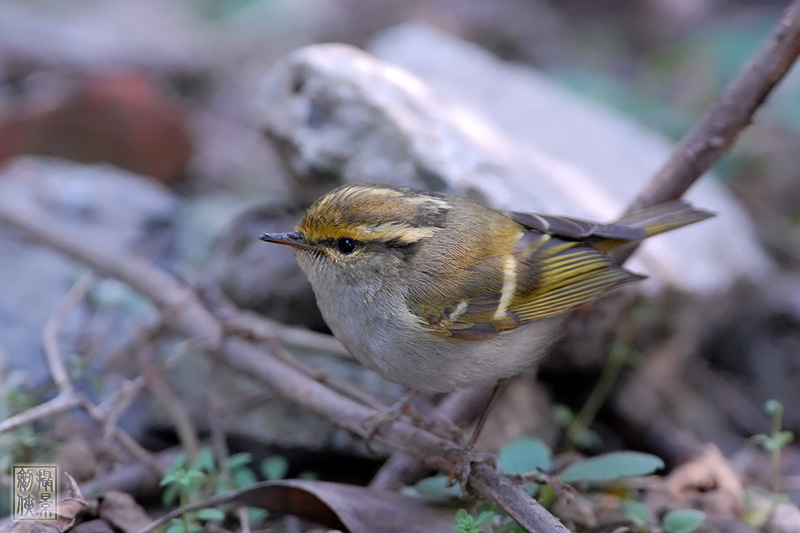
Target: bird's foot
463 458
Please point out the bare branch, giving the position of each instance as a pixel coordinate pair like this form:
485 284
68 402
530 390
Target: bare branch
182 310
733 111
59 404
719 127
58 370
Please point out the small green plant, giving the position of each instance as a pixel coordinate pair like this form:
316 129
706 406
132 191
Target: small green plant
274 468
23 444
81 370
775 442
578 434
682 520
675 521
529 461
760 507
185 483
610 467
466 523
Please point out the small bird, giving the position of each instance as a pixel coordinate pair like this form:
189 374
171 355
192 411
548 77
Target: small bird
439 293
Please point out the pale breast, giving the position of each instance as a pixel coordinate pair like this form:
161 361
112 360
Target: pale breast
432 363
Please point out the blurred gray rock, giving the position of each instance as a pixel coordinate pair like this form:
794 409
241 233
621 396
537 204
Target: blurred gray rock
126 213
442 114
259 276
115 210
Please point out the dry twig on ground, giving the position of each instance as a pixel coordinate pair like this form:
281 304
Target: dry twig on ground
183 310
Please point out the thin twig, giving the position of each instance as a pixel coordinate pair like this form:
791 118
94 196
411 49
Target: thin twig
137 479
249 324
214 500
183 311
118 403
55 363
68 397
695 154
219 441
422 444
59 404
458 408
175 410
276 336
339 385
733 111
719 127
122 437
219 444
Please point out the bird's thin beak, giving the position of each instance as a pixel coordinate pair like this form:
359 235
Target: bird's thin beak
290 239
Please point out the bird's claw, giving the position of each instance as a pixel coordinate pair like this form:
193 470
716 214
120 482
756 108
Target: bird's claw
462 465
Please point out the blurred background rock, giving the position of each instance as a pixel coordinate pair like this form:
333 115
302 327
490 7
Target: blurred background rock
161 128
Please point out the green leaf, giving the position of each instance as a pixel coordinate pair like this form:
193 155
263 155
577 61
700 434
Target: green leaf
465 523
637 512
783 438
547 495
584 437
484 517
275 467
562 415
209 514
683 520
171 494
773 406
243 478
204 460
192 480
774 443
611 466
176 526
524 455
238 461
760 440
169 478
436 486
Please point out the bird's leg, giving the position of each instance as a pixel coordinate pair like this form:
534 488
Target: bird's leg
402 407
464 457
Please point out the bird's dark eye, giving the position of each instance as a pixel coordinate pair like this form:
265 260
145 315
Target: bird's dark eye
346 245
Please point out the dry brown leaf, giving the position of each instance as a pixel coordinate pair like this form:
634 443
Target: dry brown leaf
92 526
30 526
66 512
338 506
707 482
348 507
121 511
